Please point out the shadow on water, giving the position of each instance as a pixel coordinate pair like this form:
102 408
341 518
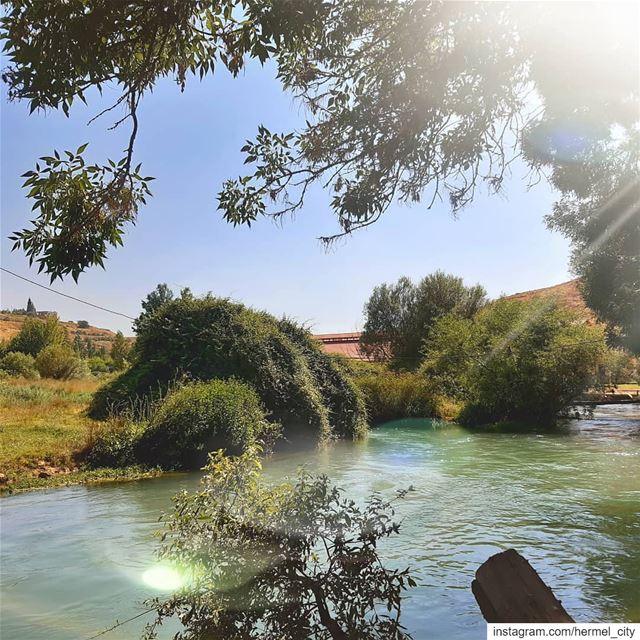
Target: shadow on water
72 559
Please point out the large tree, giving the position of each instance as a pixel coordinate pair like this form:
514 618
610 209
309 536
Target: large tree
515 361
399 316
415 101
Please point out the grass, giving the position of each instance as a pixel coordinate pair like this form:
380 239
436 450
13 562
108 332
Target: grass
82 476
45 421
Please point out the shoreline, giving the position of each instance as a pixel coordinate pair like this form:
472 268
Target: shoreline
103 475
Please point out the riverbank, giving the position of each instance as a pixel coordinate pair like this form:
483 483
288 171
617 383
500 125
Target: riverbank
44 431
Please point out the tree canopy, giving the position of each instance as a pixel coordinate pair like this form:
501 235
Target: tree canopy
398 317
514 361
410 101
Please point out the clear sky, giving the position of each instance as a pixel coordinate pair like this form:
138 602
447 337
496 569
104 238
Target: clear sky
191 142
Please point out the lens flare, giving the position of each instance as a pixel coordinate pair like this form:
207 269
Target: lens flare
163 578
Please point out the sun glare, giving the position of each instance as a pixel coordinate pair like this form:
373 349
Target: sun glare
163 578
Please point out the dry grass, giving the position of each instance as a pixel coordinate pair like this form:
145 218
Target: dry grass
567 294
43 420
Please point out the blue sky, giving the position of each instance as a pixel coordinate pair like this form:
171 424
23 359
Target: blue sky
190 142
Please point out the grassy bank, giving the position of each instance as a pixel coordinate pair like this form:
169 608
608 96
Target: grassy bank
43 432
393 395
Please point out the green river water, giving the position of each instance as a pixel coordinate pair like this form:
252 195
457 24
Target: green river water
73 558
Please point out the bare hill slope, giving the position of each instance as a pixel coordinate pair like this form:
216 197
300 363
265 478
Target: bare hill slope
10 324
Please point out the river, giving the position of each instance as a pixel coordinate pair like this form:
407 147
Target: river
73 559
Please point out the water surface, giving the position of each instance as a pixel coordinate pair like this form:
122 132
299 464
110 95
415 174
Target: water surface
73 558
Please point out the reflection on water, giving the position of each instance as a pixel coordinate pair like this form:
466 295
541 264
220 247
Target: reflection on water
73 559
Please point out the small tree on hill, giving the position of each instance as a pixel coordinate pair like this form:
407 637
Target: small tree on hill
89 347
78 346
31 308
119 351
37 334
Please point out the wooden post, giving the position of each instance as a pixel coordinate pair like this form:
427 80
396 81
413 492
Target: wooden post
508 589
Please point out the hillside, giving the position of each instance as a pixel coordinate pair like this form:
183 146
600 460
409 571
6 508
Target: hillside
10 325
567 293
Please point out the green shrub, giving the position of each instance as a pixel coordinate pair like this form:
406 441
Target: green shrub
36 334
255 571
115 444
391 396
19 364
516 361
58 361
211 338
347 412
97 364
202 417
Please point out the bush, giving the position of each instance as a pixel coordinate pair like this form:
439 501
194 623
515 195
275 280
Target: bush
211 338
98 365
347 412
515 361
252 553
202 417
83 324
35 335
392 396
60 362
19 364
115 445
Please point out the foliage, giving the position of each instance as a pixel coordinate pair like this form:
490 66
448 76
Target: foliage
392 395
407 100
618 367
98 364
36 334
211 338
19 364
154 300
119 352
205 416
115 444
82 210
60 362
515 361
605 231
31 308
399 316
347 413
83 324
285 562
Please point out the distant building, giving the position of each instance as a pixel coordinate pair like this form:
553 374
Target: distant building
343 344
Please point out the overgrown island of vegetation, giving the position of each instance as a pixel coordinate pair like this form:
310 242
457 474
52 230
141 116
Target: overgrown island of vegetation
207 373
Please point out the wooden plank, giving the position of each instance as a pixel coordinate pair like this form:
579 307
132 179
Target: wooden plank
508 589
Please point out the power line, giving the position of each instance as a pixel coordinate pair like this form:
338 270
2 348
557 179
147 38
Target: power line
90 304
